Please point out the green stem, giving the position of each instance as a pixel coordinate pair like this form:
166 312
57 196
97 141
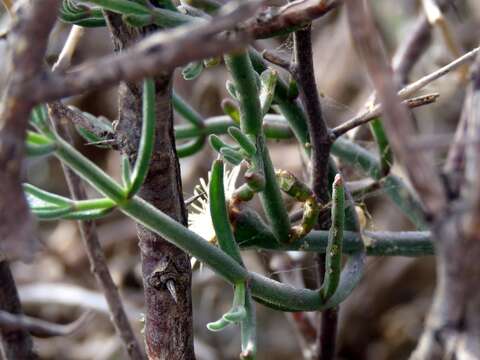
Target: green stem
291 109
245 143
333 256
243 75
274 127
275 294
243 309
248 328
191 147
240 68
384 150
237 312
93 204
349 152
89 171
252 233
186 111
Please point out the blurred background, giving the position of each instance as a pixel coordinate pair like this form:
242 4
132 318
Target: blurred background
383 317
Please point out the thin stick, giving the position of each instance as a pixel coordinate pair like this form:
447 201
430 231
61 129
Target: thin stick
41 328
410 89
411 49
376 110
406 92
65 57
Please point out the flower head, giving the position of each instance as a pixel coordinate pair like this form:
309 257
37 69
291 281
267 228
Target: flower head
199 218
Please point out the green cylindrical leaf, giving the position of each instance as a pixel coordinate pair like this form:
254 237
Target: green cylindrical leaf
232 90
39 118
292 91
217 144
384 150
93 204
87 214
192 70
242 140
208 6
122 6
145 149
191 147
245 81
135 20
219 213
232 156
186 111
91 22
165 18
126 172
96 176
45 198
235 315
51 213
231 109
218 325
333 263
248 328
268 80
39 150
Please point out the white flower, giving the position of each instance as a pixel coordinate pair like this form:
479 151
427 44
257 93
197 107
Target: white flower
199 219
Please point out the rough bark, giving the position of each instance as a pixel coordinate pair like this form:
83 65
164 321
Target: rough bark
168 318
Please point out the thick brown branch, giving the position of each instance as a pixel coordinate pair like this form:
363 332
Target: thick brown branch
294 15
160 51
168 317
414 46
